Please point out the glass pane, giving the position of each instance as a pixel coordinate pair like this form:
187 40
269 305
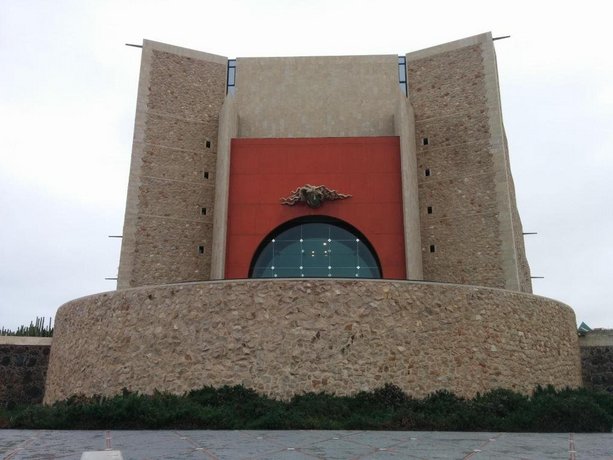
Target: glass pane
315 253
343 247
293 233
368 272
287 272
265 258
283 246
339 233
402 73
262 273
315 272
315 249
344 272
316 230
344 260
287 254
365 256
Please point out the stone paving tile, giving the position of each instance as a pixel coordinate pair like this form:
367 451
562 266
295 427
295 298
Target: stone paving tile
446 444
154 445
280 455
56 445
232 444
337 449
301 438
12 440
344 445
264 445
525 446
593 446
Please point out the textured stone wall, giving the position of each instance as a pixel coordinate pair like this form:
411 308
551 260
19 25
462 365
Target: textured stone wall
172 176
597 366
597 359
23 368
523 268
283 337
464 225
404 124
469 220
331 96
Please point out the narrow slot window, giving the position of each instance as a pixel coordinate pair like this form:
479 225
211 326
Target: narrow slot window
432 248
208 144
206 174
427 172
429 209
231 79
203 211
425 141
402 74
200 249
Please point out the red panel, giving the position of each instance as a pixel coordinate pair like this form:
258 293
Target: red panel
264 170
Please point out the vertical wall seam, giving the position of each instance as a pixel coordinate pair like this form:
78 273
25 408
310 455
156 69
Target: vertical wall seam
509 257
228 129
128 242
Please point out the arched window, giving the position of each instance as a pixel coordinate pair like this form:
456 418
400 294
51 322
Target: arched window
315 247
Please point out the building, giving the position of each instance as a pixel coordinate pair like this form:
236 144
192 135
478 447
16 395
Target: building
429 173
325 172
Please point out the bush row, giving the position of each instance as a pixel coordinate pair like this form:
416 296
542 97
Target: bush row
387 408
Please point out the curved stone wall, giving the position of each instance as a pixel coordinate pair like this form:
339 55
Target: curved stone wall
283 337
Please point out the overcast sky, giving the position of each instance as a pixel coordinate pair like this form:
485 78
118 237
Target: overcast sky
68 94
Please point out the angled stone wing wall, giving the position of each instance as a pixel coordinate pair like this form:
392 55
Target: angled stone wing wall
172 176
469 220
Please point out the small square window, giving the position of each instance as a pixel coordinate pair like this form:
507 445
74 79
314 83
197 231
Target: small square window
208 144
427 172
200 249
429 209
432 248
206 174
424 141
203 211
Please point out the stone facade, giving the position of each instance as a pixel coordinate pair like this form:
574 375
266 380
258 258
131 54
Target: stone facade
23 369
172 176
456 215
283 337
471 232
461 223
597 359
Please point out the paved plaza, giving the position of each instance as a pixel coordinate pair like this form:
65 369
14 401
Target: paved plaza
29 444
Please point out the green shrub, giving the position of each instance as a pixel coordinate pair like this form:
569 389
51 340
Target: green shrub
570 410
386 408
388 395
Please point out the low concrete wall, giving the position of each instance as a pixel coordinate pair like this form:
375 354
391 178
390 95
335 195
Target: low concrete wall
283 337
597 359
23 368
